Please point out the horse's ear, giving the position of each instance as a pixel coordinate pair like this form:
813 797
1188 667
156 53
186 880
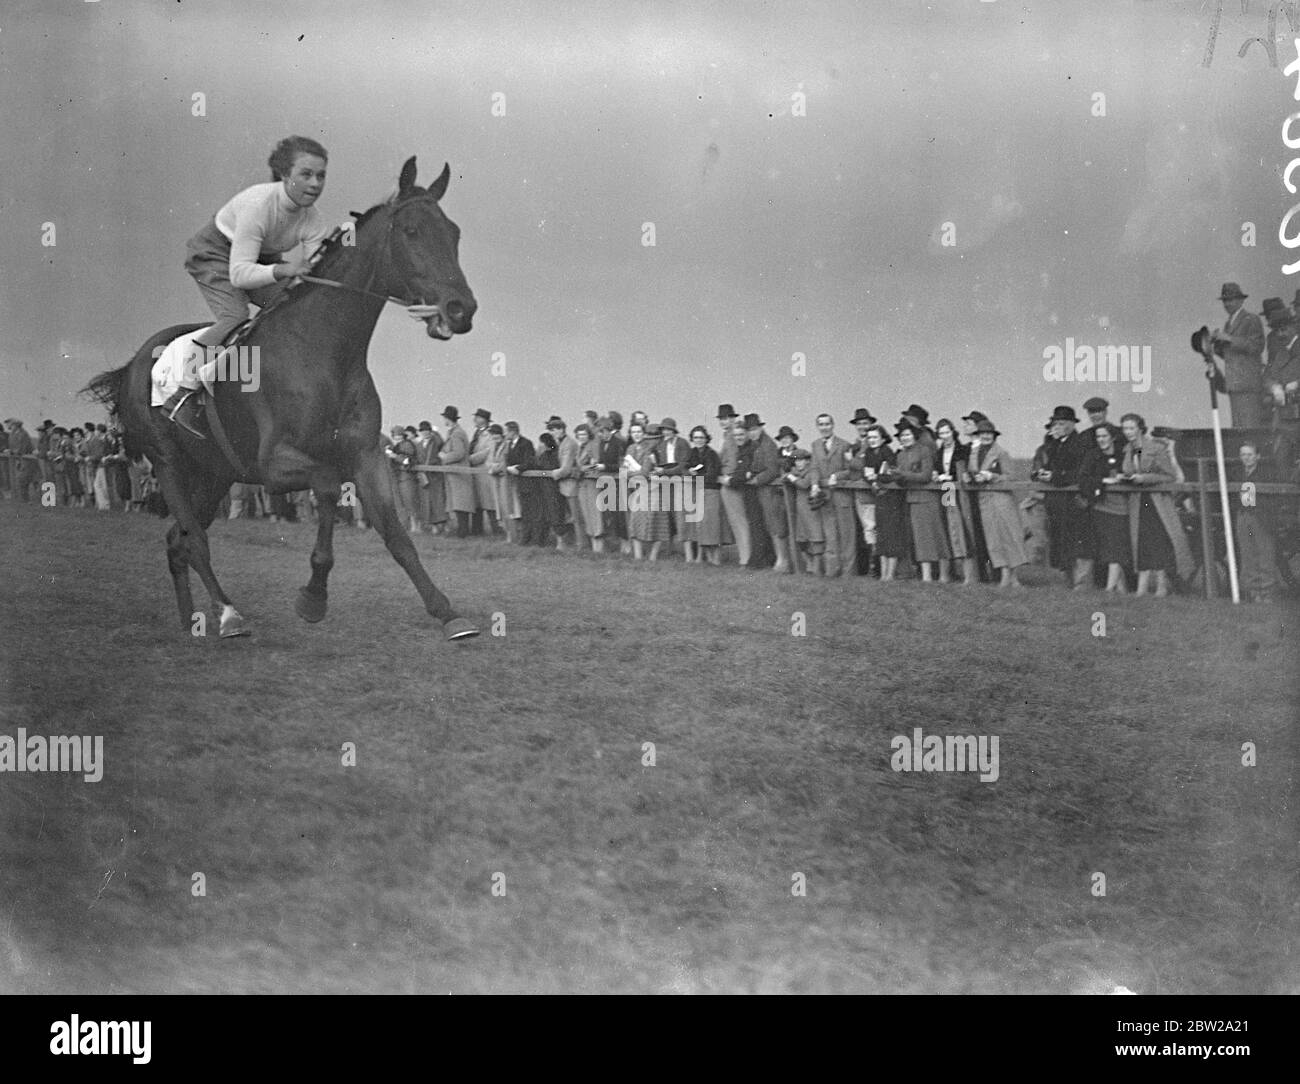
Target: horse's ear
407 180
439 186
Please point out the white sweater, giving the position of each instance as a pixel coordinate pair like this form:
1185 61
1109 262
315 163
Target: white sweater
264 221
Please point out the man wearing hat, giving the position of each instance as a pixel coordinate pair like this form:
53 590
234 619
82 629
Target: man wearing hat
460 487
613 446
830 469
766 470
1096 408
1240 343
733 500
480 449
1068 526
44 434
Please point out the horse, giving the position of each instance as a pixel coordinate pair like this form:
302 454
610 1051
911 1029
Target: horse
313 420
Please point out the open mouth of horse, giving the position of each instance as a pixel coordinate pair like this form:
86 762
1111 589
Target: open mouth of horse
437 327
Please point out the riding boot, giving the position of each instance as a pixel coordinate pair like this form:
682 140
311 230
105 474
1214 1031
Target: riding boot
183 409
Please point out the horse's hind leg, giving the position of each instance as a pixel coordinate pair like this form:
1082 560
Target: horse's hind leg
375 482
192 538
312 600
179 565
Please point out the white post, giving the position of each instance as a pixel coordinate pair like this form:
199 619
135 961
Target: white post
1227 509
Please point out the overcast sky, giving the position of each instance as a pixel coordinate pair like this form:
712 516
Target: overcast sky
776 233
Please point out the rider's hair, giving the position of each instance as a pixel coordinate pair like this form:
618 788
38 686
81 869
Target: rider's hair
286 153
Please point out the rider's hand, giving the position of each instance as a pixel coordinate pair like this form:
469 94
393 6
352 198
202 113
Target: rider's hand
288 269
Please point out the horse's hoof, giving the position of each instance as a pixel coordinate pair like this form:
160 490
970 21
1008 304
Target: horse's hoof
460 628
233 626
310 607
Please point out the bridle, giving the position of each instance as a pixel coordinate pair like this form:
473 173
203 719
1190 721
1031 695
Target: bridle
316 280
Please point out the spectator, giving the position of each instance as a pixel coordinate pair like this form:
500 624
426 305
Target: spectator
552 507
766 468
460 487
1241 345
732 499
519 458
612 449
23 470
1003 531
1069 547
1096 409
5 484
891 526
830 466
1254 524
480 448
1101 469
702 537
44 434
915 469
809 500
670 462
566 474
590 468
496 464
950 466
433 484
401 457
1155 532
920 419
864 500
646 524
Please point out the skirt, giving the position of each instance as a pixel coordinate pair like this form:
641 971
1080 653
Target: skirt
592 520
1110 538
649 526
1154 550
929 531
892 529
708 530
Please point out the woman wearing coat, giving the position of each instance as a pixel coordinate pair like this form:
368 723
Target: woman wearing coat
496 465
480 451
951 457
460 487
915 467
590 466
703 538
1004 534
876 462
433 484
401 453
1155 533
643 525
1102 465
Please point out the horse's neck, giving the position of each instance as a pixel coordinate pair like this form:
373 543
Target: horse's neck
336 324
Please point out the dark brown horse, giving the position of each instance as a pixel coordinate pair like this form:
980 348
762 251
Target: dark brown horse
314 418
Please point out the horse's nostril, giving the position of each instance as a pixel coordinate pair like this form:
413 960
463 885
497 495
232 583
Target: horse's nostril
455 310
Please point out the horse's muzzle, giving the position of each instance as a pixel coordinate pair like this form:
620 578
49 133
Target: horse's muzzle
460 317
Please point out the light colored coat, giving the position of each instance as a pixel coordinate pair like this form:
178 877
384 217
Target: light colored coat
460 487
570 472
1148 458
480 453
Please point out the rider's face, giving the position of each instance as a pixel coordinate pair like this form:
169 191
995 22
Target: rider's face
306 181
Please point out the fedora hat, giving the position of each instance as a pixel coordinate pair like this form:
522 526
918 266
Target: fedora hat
862 414
451 414
752 421
1231 290
486 415
1275 308
555 422
1064 414
786 431
975 416
984 425
726 410
669 423
919 413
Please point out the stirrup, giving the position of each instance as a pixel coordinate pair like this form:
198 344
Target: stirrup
177 413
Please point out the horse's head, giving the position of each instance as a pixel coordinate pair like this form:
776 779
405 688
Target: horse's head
422 264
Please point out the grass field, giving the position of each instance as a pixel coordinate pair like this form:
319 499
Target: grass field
522 755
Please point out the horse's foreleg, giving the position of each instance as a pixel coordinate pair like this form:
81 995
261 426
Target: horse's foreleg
192 542
312 600
376 485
